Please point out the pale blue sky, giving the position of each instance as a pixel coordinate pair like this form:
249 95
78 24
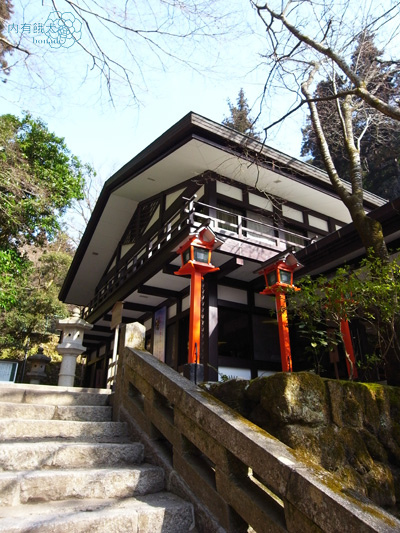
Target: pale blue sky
107 136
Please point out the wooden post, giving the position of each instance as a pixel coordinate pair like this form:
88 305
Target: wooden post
284 339
116 319
195 317
348 346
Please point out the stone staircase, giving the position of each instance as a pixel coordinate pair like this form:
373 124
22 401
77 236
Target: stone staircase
66 467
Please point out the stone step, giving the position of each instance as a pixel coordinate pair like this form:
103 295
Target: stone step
52 395
154 513
34 455
14 429
54 485
84 413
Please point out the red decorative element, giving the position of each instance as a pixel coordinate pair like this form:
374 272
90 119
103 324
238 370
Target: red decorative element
283 327
197 247
348 346
278 277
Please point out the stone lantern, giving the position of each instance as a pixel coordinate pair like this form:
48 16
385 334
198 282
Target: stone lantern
38 365
73 330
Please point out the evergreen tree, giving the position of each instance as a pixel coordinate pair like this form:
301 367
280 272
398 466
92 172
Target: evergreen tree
239 118
29 318
378 135
39 179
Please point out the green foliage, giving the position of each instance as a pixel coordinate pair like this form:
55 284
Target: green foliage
12 268
39 179
32 313
369 294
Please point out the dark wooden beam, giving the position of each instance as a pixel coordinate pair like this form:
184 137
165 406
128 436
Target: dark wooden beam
158 291
234 283
125 319
100 329
211 330
90 337
230 266
142 308
170 269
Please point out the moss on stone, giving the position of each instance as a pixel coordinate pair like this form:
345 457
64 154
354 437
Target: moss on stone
255 388
379 483
232 393
292 398
349 429
396 432
374 447
394 400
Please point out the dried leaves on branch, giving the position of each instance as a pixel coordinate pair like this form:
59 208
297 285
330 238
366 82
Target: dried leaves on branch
377 136
309 37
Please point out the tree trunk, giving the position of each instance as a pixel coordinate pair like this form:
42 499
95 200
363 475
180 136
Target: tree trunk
371 233
369 230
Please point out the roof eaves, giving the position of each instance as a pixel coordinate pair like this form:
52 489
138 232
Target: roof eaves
189 126
347 235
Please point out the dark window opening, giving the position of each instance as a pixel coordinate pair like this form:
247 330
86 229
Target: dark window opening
234 334
266 338
183 346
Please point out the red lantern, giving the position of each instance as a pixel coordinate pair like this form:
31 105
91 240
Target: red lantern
195 253
278 278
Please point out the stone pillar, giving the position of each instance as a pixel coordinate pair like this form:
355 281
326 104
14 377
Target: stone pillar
133 336
73 330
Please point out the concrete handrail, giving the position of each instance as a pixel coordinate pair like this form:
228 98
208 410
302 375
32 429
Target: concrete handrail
243 475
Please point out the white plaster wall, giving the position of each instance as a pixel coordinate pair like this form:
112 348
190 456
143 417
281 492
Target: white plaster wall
232 295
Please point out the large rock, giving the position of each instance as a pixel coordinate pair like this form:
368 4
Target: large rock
351 429
292 398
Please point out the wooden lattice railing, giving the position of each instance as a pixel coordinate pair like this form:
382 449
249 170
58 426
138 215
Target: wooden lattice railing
192 214
238 472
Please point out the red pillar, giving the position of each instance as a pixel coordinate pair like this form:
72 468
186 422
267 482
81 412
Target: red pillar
195 317
348 346
283 327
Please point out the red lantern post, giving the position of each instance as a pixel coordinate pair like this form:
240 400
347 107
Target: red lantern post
347 341
348 346
196 262
278 277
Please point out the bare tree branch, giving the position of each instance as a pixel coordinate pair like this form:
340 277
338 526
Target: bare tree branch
143 34
326 52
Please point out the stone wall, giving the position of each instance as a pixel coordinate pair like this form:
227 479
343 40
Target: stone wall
350 429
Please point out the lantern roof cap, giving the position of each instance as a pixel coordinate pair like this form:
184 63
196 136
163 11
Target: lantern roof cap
287 256
74 320
204 234
39 356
